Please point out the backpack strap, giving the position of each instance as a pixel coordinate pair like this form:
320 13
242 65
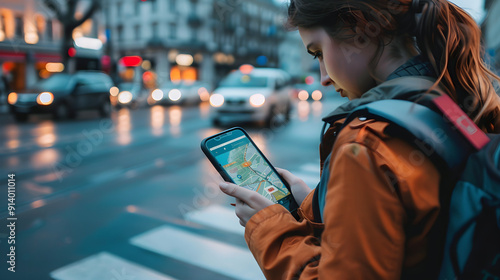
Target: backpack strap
422 127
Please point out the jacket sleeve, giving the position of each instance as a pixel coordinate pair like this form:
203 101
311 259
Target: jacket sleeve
364 224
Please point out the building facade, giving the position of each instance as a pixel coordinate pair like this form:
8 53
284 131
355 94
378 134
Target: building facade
491 30
30 39
196 39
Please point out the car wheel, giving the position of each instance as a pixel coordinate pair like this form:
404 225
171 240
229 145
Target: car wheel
21 117
276 118
63 111
105 109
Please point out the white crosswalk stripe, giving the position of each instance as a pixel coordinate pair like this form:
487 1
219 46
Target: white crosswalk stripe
229 260
105 266
217 216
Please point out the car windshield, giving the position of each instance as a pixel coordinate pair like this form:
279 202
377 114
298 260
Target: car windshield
54 83
241 80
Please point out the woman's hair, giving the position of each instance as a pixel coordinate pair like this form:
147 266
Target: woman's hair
446 36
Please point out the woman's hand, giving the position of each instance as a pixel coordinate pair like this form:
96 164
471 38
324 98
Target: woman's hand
299 188
248 202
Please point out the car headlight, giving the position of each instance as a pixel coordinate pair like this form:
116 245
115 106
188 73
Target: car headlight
316 95
12 98
157 94
125 97
257 100
45 98
174 94
114 91
216 100
303 95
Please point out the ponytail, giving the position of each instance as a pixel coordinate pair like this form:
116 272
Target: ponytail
451 40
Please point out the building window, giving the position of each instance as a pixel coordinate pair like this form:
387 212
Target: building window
137 30
119 31
119 9
155 30
49 30
172 30
19 27
138 7
154 6
171 6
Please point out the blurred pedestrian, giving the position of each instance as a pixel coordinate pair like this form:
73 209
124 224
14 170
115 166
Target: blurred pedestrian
380 207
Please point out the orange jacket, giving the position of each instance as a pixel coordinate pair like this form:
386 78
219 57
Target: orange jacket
381 204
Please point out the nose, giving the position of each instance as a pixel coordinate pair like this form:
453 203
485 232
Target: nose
325 79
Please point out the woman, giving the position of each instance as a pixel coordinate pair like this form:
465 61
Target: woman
381 208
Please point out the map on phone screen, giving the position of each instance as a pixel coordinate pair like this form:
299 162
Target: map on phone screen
248 169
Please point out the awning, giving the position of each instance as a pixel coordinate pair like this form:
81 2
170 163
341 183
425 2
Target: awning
12 56
43 57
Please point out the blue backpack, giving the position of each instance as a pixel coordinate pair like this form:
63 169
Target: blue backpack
471 162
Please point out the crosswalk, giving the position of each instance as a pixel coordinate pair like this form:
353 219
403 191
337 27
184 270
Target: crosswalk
170 241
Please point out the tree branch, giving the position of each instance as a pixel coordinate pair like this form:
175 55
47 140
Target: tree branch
55 7
95 6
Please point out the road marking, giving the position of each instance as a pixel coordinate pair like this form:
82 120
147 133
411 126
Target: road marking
310 167
106 266
217 216
309 173
209 254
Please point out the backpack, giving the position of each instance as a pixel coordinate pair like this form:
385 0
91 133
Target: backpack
471 162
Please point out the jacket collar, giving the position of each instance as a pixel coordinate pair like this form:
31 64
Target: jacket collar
394 88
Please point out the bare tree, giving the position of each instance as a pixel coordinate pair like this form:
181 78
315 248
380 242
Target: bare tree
66 16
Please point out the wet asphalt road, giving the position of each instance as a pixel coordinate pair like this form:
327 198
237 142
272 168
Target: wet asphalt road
89 185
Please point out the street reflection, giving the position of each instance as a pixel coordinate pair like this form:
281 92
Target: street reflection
12 137
317 108
303 110
45 134
13 161
123 127
157 119
37 204
44 158
175 117
204 109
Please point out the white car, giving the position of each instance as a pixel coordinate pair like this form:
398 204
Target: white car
253 94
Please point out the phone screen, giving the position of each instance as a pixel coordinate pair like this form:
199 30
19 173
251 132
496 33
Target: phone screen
247 167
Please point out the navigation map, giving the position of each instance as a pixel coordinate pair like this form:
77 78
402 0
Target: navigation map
249 170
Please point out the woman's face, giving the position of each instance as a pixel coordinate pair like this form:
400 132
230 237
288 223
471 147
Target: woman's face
343 64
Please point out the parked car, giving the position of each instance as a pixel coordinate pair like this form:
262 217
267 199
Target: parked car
62 95
181 93
252 94
130 95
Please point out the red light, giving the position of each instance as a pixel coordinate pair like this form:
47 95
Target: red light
246 69
71 52
309 80
147 76
131 61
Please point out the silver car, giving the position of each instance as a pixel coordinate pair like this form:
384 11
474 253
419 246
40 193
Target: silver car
253 94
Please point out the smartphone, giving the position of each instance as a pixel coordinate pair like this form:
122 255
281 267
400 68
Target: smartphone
238 160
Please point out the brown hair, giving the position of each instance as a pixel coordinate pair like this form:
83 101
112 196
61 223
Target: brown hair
446 36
